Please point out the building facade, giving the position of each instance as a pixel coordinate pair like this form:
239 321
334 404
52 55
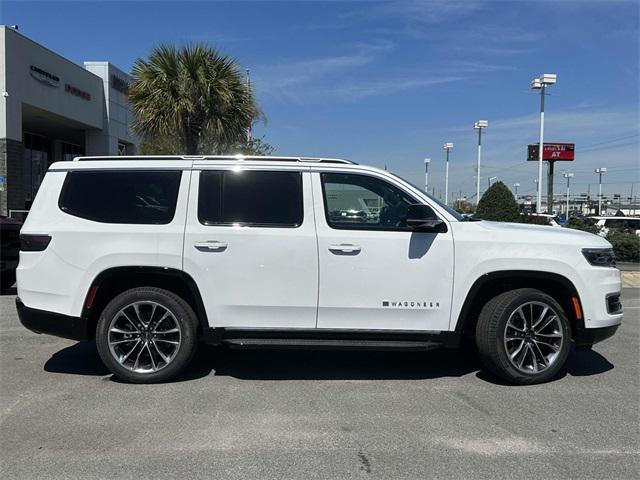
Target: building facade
52 109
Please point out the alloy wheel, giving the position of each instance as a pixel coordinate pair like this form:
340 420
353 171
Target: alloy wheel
533 337
144 337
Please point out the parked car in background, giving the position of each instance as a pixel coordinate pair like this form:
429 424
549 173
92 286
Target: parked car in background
629 223
548 219
9 250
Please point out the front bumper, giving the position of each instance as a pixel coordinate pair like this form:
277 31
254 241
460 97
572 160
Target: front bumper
51 323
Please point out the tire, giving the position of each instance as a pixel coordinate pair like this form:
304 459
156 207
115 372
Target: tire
7 279
521 342
165 341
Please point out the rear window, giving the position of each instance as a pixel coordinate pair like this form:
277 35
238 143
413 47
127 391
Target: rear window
142 197
250 198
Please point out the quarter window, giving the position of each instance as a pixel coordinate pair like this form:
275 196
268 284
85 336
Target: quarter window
362 202
250 198
140 197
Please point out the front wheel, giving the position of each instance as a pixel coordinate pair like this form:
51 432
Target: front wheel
523 336
146 335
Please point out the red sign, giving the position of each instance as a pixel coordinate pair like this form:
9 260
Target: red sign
77 92
553 151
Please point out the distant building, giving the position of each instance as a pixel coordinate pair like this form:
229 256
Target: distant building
52 109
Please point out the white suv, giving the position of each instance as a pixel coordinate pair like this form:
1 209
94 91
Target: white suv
150 255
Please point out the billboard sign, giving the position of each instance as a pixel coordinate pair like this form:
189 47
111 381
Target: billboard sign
552 151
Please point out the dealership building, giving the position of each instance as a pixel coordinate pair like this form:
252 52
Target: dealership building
52 109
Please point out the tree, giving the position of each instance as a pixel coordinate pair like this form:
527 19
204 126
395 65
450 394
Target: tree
170 145
192 94
498 204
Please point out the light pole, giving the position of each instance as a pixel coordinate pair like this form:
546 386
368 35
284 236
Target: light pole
426 174
515 187
447 147
489 181
479 125
541 84
568 176
249 129
600 171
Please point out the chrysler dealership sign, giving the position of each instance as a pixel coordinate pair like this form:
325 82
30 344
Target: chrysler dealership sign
44 76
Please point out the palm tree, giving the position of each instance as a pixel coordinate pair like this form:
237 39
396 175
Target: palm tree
192 93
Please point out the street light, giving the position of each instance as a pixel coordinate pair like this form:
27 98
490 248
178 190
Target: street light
479 125
489 180
600 171
541 84
426 174
447 147
568 176
515 186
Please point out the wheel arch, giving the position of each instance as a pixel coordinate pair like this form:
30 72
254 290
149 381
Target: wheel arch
113 281
494 283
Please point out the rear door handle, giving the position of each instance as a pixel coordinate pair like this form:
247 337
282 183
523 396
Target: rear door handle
345 248
211 246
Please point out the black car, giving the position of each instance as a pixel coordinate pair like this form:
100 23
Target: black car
9 250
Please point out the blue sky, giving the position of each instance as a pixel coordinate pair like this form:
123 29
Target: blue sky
390 82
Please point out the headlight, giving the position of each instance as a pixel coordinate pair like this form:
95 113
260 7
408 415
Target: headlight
600 257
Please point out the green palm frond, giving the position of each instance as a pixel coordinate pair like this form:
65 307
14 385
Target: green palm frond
189 92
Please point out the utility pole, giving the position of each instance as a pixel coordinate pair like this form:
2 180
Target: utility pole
600 171
541 84
447 147
568 176
249 130
426 174
479 125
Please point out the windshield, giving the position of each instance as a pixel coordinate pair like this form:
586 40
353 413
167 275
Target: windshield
451 211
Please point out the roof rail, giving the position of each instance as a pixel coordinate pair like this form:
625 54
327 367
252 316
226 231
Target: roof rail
214 157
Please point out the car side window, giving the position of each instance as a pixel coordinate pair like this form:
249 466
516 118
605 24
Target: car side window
121 196
363 202
250 198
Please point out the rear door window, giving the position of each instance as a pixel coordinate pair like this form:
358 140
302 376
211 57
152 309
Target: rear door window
250 198
137 197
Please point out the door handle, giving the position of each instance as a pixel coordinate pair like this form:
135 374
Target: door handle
345 248
211 246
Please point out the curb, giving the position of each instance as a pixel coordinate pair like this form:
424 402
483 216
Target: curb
630 279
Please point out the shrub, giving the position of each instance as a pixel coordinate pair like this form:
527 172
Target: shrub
584 224
626 245
498 204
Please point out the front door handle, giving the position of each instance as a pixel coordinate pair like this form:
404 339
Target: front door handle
211 246
345 248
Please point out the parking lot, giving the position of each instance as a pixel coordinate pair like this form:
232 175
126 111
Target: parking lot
295 414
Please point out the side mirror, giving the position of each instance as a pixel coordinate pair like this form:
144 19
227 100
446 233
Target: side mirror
422 218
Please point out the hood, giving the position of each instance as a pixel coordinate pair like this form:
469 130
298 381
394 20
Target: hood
541 234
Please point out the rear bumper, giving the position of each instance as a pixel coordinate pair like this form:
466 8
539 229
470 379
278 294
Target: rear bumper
51 323
588 336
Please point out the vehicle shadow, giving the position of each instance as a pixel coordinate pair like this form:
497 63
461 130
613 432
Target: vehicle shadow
581 363
83 359
8 291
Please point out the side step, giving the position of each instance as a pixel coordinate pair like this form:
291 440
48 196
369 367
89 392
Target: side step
330 344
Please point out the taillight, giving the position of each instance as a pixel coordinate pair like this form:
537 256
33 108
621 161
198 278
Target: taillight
33 243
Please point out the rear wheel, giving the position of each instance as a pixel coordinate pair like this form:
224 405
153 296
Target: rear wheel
523 336
146 335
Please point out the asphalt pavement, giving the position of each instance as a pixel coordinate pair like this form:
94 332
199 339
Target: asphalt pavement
316 415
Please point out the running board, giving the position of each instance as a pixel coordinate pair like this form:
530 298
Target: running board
329 344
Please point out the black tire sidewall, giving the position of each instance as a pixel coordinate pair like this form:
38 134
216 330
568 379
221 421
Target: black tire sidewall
183 314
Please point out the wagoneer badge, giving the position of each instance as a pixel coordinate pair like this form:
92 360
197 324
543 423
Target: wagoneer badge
410 304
